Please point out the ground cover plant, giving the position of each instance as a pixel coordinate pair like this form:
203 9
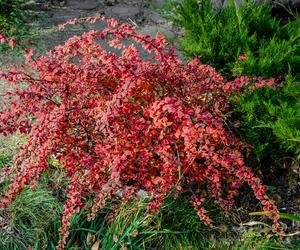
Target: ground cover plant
118 124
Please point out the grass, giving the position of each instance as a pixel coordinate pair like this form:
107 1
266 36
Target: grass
176 227
25 221
134 228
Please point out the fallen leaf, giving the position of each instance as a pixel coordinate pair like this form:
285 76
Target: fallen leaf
115 238
135 233
90 239
96 245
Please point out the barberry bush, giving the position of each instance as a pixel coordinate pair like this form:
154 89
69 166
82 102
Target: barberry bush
122 125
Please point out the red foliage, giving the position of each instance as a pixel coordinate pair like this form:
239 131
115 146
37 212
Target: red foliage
119 124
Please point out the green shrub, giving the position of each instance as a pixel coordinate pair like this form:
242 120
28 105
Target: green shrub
12 23
274 58
270 120
11 8
221 35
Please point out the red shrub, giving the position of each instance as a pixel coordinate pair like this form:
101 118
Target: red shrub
119 124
